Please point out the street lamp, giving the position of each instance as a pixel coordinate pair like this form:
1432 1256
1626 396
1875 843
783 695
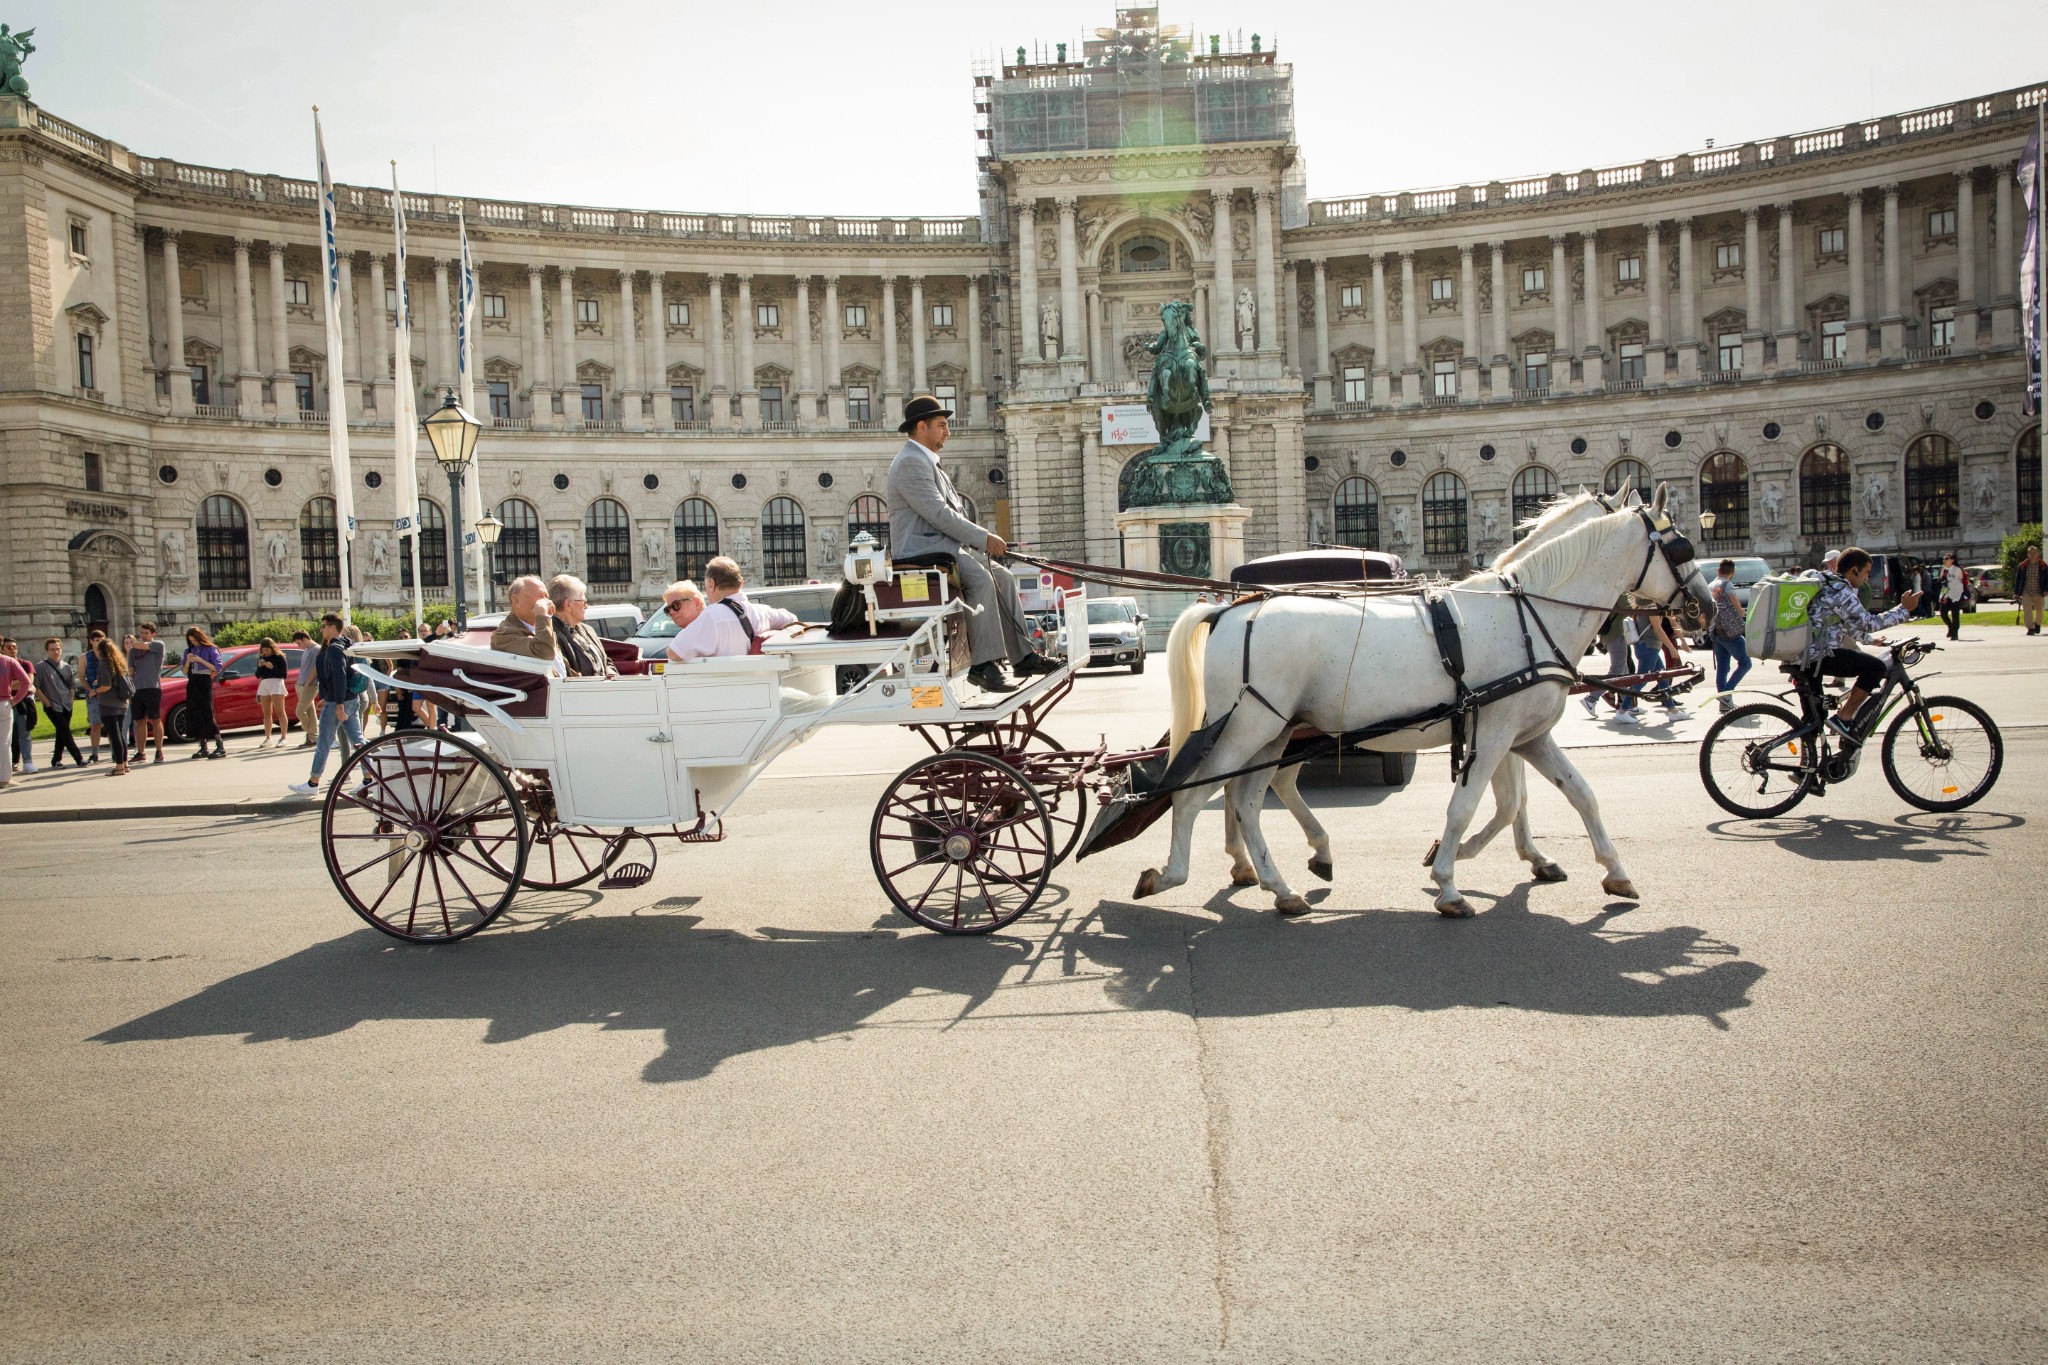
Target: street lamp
487 529
453 432
1707 522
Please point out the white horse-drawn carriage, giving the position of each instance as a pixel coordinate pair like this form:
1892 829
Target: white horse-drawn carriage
430 834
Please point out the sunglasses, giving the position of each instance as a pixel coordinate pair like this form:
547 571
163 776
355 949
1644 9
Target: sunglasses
673 607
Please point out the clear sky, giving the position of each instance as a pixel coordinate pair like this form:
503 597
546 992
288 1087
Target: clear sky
829 107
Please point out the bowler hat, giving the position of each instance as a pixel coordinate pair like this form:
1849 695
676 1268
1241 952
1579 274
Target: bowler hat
921 408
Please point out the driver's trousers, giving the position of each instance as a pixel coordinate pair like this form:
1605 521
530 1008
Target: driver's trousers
998 630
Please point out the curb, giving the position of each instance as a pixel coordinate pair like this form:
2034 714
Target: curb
47 815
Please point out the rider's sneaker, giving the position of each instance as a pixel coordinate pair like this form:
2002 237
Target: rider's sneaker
1844 731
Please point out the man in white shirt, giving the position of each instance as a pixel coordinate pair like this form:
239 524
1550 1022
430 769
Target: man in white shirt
729 624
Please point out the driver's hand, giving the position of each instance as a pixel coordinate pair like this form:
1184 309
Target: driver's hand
997 546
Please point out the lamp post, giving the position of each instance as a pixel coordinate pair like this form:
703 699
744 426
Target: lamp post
487 529
452 432
1707 523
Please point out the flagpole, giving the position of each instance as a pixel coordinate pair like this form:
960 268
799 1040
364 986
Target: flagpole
2041 282
337 411
405 416
472 491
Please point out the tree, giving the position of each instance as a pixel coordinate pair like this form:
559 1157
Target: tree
2013 549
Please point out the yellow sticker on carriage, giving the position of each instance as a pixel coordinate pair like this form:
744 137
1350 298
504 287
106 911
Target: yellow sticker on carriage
923 698
916 588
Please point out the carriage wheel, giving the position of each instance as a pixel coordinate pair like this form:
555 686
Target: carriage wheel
1066 806
961 842
424 836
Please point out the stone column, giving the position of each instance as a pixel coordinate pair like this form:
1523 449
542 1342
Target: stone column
892 371
920 380
717 404
1468 306
1653 292
1411 348
806 378
380 340
1325 396
977 391
1290 320
282 390
1560 318
248 379
1788 292
1262 248
1966 260
835 324
1382 371
534 353
441 333
1072 334
565 348
1027 281
1859 308
1595 360
1091 305
1752 295
743 346
1223 300
178 375
1688 307
663 416
350 378
631 388
1503 364
1892 326
2005 313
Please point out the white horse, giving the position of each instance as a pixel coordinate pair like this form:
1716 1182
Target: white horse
1311 666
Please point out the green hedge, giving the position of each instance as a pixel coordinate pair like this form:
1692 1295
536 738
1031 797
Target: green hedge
376 625
2012 551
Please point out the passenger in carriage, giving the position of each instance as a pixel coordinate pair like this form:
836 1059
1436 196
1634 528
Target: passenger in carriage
682 601
582 651
728 624
526 629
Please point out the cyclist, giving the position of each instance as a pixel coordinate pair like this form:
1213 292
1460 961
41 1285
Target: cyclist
1839 621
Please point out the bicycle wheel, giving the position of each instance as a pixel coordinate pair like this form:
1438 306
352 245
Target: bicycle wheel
1948 763
1755 761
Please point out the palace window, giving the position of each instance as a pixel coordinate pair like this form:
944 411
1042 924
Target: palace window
391 299
494 306
1941 327
1444 378
202 392
949 398
1728 351
783 556
223 545
696 534
679 315
1535 279
1357 387
1533 489
192 281
501 398
768 315
1142 254
682 402
1351 296
1356 511
2028 454
1623 475
856 317
1724 491
1443 515
298 293
1535 369
1824 493
942 315
593 402
1728 256
771 402
1832 241
1834 340
869 515
433 549
1440 289
88 373
79 242
1941 223
587 312
1632 363
517 552
95 480
857 406
608 542
319 546
1932 501
1628 269
302 386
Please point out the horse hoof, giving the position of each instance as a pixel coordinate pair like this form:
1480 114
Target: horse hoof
1549 872
1622 887
1321 867
1291 905
1457 909
1243 876
1148 883
1430 856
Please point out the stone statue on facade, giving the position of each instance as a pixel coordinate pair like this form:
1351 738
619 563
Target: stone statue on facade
173 544
1048 330
1773 506
1315 526
743 547
1177 471
1984 494
1489 520
828 546
380 556
650 546
1136 357
14 50
1400 525
1247 320
279 552
565 552
1874 491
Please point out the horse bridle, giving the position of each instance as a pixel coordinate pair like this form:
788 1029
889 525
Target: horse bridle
1678 551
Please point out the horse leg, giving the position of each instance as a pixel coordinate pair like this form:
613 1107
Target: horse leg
1242 873
1246 795
1525 842
1546 758
1465 797
1505 810
1241 739
1285 785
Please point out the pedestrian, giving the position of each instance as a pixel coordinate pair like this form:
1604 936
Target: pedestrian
202 667
1725 633
22 726
362 693
1655 650
271 672
15 686
308 697
1954 588
2029 585
146 708
89 670
331 674
115 689
57 684
1613 638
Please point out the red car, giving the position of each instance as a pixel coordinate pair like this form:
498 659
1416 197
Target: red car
234 694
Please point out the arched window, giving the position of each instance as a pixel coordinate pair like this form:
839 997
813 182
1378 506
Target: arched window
1142 255
517 552
1931 501
1623 475
783 557
2028 454
1356 514
1724 491
433 549
870 514
223 545
319 546
1824 493
1443 515
967 509
1534 487
696 531
608 543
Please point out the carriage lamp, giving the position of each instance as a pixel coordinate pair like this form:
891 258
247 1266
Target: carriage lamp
1706 521
452 432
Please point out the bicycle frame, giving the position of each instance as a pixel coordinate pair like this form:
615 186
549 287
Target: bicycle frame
1814 704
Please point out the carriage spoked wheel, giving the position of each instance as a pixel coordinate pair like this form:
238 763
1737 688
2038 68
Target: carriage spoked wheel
424 836
961 842
1066 805
562 856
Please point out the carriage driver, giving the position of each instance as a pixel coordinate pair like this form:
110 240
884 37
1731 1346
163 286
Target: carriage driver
927 527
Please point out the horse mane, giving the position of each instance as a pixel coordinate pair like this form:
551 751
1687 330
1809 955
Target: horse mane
1533 537
1541 562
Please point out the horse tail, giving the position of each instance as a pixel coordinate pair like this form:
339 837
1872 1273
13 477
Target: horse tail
1185 648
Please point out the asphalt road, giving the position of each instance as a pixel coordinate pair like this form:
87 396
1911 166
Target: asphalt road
1788 1108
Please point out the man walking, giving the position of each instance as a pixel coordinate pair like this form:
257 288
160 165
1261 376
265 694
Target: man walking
308 688
927 526
2029 585
331 677
146 707
57 684
1731 650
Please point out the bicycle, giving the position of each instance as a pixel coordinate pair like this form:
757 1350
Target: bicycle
1940 753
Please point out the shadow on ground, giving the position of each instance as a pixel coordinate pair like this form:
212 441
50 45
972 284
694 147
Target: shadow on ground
1922 837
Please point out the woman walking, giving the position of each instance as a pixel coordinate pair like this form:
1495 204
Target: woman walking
114 688
1954 588
22 756
272 672
202 667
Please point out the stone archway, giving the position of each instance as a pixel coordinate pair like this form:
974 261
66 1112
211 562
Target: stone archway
103 563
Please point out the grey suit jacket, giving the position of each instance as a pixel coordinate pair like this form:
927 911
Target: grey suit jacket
925 515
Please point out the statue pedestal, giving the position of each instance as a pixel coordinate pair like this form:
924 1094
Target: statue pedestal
1200 540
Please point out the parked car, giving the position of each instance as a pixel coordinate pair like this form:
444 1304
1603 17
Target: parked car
1116 633
234 694
1987 582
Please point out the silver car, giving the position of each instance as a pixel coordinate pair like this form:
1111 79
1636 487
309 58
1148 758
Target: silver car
1116 633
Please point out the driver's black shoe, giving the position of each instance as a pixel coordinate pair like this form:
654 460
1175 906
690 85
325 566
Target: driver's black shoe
1033 663
989 678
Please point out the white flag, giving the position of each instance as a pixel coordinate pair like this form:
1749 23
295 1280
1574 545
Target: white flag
405 415
465 368
337 390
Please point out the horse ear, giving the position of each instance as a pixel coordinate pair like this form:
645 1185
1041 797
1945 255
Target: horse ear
1663 491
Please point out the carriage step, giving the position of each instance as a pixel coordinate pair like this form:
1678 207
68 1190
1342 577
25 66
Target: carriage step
626 876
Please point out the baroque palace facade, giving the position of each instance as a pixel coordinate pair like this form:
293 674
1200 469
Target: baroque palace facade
1814 337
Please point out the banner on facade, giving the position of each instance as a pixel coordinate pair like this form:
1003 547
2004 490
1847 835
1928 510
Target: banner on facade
2032 239
1130 424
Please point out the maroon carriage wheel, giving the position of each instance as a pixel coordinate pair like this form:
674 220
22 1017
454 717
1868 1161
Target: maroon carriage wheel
1066 805
424 836
961 842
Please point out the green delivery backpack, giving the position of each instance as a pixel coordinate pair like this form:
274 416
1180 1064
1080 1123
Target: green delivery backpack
1778 625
